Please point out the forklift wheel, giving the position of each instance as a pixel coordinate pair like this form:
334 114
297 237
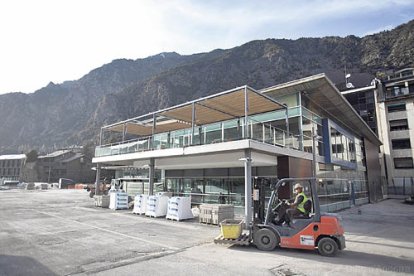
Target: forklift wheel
327 247
265 239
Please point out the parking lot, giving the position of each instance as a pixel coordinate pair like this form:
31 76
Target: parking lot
60 232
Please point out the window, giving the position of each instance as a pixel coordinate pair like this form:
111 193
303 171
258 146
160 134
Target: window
397 91
396 125
401 144
403 163
396 107
337 148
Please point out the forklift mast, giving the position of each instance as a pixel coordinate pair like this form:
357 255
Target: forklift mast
259 197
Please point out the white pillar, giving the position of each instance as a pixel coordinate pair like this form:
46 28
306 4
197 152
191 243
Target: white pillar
97 180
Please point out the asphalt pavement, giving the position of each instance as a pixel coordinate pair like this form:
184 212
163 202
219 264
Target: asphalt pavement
60 232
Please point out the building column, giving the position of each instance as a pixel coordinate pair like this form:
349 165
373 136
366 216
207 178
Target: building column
97 180
246 114
248 187
151 175
193 118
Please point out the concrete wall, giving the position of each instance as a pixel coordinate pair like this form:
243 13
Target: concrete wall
292 167
373 171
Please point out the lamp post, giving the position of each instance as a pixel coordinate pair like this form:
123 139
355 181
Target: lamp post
315 137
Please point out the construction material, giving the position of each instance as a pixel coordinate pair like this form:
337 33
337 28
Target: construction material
102 201
168 194
179 208
157 206
140 204
215 213
118 200
231 228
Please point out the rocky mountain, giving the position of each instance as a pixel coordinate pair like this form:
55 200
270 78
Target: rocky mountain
71 113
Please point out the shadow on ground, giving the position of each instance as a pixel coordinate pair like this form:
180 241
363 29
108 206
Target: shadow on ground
22 265
345 257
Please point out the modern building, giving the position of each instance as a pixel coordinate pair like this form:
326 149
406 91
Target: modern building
387 107
215 146
11 166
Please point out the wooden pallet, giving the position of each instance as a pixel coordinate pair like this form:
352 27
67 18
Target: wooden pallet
242 240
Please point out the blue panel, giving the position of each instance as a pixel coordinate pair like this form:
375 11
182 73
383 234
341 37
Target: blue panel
326 130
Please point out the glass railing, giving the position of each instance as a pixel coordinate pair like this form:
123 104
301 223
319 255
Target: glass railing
208 134
125 147
399 91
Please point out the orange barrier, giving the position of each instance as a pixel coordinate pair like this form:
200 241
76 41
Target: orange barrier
79 186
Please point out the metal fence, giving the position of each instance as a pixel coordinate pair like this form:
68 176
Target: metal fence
403 186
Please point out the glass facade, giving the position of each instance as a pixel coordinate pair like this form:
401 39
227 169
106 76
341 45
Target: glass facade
209 190
364 103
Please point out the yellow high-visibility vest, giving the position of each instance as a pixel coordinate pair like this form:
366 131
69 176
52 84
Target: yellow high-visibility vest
301 206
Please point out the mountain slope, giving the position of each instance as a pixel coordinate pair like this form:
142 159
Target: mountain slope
70 113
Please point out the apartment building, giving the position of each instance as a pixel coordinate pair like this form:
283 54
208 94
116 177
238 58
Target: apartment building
66 163
11 166
396 106
386 105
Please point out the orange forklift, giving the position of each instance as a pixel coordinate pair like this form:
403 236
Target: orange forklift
312 231
315 230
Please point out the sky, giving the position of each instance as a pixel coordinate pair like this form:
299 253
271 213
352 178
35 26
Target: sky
46 41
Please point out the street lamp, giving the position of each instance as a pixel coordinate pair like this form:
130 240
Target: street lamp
315 137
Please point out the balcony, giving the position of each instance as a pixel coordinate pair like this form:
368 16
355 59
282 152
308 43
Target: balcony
237 114
399 90
209 134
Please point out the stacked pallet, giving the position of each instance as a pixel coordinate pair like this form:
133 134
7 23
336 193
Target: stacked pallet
215 213
157 206
140 204
179 208
102 201
118 200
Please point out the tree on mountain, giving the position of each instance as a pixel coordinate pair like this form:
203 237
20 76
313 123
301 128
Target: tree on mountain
31 156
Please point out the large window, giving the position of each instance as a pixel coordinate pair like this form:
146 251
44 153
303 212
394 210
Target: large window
342 146
401 144
396 91
396 125
403 163
396 107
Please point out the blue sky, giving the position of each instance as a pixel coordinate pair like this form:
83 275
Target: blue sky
49 40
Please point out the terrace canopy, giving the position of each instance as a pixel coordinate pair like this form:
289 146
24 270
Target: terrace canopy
239 102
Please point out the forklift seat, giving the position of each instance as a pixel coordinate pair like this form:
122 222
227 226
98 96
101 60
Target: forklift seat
308 209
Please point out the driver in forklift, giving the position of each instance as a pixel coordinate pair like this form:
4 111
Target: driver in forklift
298 207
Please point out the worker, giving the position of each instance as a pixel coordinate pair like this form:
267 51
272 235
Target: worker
298 208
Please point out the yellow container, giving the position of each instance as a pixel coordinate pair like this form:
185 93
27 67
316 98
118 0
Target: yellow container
231 228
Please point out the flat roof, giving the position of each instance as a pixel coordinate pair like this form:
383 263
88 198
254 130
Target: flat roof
12 156
227 105
54 154
323 94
